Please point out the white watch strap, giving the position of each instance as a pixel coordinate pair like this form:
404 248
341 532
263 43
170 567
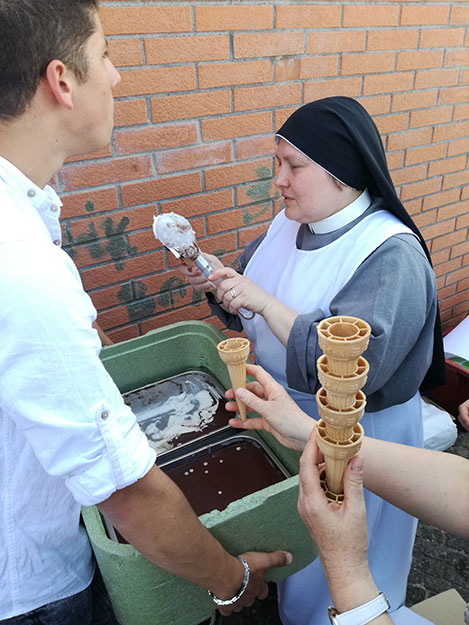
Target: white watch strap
361 615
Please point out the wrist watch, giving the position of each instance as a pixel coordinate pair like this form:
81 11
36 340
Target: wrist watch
361 615
241 591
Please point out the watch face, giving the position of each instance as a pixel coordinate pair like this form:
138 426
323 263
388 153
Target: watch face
331 611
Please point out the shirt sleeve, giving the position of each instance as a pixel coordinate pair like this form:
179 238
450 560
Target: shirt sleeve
394 291
52 382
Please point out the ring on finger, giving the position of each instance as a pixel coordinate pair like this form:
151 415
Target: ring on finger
233 293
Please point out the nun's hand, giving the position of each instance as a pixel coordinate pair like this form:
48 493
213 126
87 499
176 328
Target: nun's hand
237 291
280 415
195 278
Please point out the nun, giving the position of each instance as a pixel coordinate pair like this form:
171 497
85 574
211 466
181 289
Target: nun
343 245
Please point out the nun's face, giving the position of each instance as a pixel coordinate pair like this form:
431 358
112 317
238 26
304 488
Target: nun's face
310 193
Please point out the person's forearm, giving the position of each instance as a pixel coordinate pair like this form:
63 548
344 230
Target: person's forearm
430 485
279 318
155 517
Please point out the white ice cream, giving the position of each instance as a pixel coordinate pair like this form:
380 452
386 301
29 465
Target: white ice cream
176 233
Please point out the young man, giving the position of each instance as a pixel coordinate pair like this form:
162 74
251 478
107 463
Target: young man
66 437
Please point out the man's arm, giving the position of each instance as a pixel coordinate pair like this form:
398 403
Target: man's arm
155 517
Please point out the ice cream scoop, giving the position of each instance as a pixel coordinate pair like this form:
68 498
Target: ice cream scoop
176 234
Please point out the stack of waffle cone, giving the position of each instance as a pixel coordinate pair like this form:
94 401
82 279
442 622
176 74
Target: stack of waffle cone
342 371
234 353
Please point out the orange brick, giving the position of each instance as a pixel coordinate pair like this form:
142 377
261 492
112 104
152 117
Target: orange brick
446 291
431 117
461 111
318 67
229 175
237 219
91 155
458 275
105 275
392 123
193 158
388 83
152 138
465 193
110 171
448 165
124 52
267 44
440 199
253 193
130 112
414 207
413 100
454 95
459 250
142 20
200 204
459 15
245 235
409 138
238 73
441 38
112 223
157 80
456 179
287 69
362 16
448 240
367 63
160 189
190 106
233 126
443 269
90 202
409 174
376 105
281 115
418 189
334 41
456 57
395 160
144 241
425 219
419 59
248 98
438 229
251 147
395 39
425 153
323 88
112 296
451 131
123 334
424 15
232 18
175 316
427 79
307 16
165 50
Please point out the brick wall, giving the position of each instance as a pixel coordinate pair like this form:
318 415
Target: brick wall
204 86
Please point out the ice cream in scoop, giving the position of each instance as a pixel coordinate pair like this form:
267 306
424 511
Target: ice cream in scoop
176 233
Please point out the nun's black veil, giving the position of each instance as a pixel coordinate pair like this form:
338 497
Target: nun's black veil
340 136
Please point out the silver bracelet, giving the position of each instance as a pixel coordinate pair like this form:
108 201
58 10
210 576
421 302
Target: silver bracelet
241 591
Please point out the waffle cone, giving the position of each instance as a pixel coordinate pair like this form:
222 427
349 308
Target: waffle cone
337 454
343 340
342 389
234 353
340 422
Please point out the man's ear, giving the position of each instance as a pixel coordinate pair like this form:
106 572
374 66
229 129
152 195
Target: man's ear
60 80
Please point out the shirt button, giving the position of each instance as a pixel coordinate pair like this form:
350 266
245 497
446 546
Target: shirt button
31 193
54 208
104 415
57 242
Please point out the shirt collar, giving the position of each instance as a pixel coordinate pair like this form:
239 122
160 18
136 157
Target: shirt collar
41 199
342 217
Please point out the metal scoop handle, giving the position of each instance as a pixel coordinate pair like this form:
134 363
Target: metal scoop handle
206 269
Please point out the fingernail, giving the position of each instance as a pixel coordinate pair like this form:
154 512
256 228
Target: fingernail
241 393
288 557
356 464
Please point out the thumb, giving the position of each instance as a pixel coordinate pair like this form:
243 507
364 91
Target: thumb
252 401
274 559
353 478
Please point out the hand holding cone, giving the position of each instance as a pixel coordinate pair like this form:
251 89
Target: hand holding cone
234 353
